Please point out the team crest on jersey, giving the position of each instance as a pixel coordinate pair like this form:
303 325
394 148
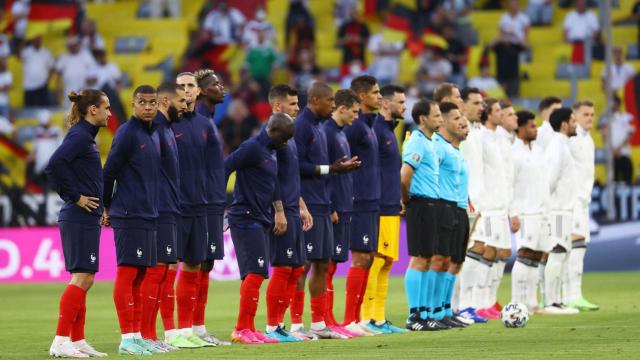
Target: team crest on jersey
385 244
93 258
213 248
261 262
365 239
309 247
289 253
139 253
338 249
169 249
415 157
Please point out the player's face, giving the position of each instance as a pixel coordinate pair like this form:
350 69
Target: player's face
188 83
584 116
102 112
351 114
397 105
214 91
290 106
509 119
372 98
530 130
145 106
434 120
456 98
572 125
280 136
179 102
325 105
473 107
495 116
463 130
452 121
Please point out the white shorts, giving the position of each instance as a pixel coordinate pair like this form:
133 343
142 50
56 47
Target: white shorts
560 226
533 233
581 222
494 230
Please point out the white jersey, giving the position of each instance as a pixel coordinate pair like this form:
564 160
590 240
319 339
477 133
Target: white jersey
530 182
545 133
487 174
561 171
583 152
505 141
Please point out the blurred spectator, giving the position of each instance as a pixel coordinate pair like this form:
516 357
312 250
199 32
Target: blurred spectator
580 24
90 40
354 69
456 53
484 81
386 58
620 72
74 69
412 97
299 29
353 35
259 24
108 78
514 24
37 66
458 8
224 24
633 18
5 48
508 64
622 128
238 125
540 12
342 11
303 73
169 7
6 82
6 126
434 70
260 59
247 89
46 141
20 14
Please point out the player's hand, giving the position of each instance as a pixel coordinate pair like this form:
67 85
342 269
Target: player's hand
344 165
88 203
403 209
106 219
334 217
307 220
280 224
515 224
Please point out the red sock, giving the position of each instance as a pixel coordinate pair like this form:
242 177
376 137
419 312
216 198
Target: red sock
318 308
329 318
277 293
362 291
201 303
77 329
150 292
168 300
70 304
249 295
123 297
297 307
292 285
355 279
186 295
137 300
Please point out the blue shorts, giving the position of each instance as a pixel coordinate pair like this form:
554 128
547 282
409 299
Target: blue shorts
251 242
192 239
289 249
364 231
80 246
215 245
135 246
341 232
319 239
167 239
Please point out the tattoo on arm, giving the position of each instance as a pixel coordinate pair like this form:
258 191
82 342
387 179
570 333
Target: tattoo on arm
278 206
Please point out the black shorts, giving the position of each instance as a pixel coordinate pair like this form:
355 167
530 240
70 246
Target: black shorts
192 239
319 239
136 246
422 226
215 245
289 249
446 227
167 239
461 238
363 235
341 238
80 246
251 242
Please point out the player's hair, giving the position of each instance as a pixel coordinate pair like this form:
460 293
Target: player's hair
203 77
578 104
144 89
387 91
169 88
558 116
420 108
185 73
346 98
363 83
548 101
446 107
488 105
443 90
524 117
468 91
281 91
505 104
80 103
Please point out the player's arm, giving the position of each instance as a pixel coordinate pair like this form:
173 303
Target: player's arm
280 220
243 156
412 155
116 160
472 151
554 167
305 216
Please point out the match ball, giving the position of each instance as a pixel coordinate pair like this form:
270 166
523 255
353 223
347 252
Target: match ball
515 315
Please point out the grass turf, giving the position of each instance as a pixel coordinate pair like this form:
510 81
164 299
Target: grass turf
29 314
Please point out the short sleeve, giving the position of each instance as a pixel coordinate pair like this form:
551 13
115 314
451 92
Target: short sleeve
413 151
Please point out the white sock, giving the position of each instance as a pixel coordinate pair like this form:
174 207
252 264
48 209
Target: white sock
532 288
553 277
519 283
169 334
199 330
128 336
318 325
466 282
496 279
576 267
137 335
186 332
480 293
296 327
541 270
271 329
380 323
59 340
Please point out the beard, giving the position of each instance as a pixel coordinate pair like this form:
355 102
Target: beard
173 113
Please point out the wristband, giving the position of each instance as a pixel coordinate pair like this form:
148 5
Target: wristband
324 169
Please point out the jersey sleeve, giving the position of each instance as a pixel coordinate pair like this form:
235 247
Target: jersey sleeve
413 152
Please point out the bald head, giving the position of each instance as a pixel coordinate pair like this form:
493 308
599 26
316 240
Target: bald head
280 129
319 89
320 99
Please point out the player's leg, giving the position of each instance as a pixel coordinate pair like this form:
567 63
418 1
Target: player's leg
459 243
167 302
580 238
557 260
474 267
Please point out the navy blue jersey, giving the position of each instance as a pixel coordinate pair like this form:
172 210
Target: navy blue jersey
191 135
75 169
390 164
364 145
134 165
312 151
289 178
256 170
216 189
169 182
340 185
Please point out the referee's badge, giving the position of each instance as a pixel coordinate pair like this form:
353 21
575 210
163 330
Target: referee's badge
415 157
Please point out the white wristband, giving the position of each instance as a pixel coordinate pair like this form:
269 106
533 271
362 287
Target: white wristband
324 169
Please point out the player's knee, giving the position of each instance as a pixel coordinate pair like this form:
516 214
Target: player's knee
489 253
173 266
437 263
454 269
503 254
419 263
83 280
192 267
478 247
527 253
559 249
579 243
361 260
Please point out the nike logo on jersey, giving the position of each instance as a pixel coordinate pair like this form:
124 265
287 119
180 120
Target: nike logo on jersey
178 135
142 146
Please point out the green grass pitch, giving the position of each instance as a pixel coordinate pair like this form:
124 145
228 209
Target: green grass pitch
29 315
